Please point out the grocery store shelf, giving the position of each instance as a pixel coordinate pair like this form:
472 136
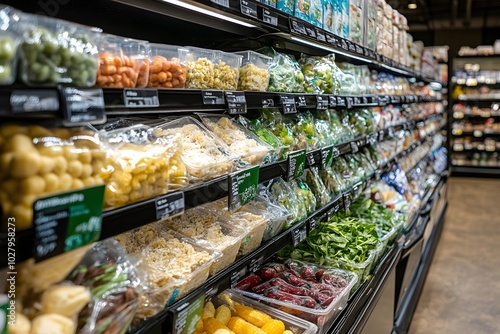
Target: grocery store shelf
473 98
467 149
479 56
477 171
484 116
476 133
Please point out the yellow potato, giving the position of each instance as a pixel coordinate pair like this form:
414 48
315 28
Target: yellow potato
77 184
33 185
75 168
18 143
23 215
66 181
60 165
52 182
99 155
61 133
37 131
89 182
12 129
97 166
69 153
47 166
5 160
6 207
51 151
27 200
25 164
10 186
86 171
85 157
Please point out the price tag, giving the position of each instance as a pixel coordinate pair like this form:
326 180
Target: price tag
255 264
365 100
310 32
320 36
249 8
296 164
333 211
381 134
267 103
395 99
330 39
140 98
367 52
336 152
332 99
82 106
344 45
310 158
26 101
67 221
288 104
313 224
359 49
390 132
354 147
187 316
347 200
356 101
327 156
301 101
242 187
372 139
236 103
351 47
269 17
383 100
297 27
237 275
341 102
322 102
170 205
223 3
299 234
213 97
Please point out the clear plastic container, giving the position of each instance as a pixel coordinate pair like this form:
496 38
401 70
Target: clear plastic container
58 52
361 269
175 265
120 62
201 68
293 324
226 70
323 318
212 231
277 216
167 66
139 165
254 74
10 37
240 141
204 155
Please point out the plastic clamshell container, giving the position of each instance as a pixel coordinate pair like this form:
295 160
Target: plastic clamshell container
323 318
10 37
180 276
361 269
294 324
120 62
254 74
201 224
55 52
226 70
201 68
388 239
204 155
167 66
240 141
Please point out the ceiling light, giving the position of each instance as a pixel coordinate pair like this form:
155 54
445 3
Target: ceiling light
412 5
209 13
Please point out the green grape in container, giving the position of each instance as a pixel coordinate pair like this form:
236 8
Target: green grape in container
55 52
285 74
316 185
275 121
304 194
9 42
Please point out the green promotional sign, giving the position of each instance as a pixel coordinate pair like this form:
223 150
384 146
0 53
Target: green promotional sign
296 164
67 221
242 187
187 315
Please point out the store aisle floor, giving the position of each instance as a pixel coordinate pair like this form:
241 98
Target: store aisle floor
462 291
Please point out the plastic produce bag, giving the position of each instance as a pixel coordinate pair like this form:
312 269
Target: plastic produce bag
54 52
277 216
332 182
319 75
10 37
317 187
340 118
357 123
304 194
275 121
285 74
304 130
345 174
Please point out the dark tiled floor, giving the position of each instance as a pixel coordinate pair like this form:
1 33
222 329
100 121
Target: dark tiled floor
462 291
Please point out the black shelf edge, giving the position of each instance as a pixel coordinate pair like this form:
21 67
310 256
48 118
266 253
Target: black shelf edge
481 171
478 56
489 99
475 116
471 134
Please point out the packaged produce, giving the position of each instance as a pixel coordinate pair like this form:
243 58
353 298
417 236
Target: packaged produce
271 3
356 15
174 265
332 182
370 31
280 193
240 141
201 68
226 70
244 315
286 6
204 155
311 292
55 52
316 15
340 242
38 161
120 62
343 18
284 73
254 220
279 151
167 66
340 118
277 216
10 37
319 74
314 182
326 136
345 175
303 129
384 194
254 74
328 10
211 231
140 165
357 171
304 194
275 121
396 178
302 9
